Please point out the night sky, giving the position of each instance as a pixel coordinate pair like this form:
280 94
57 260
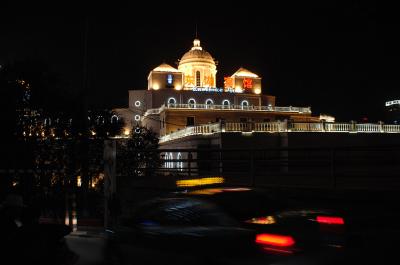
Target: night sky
339 58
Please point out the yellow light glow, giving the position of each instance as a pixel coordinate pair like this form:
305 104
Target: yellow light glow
178 87
156 86
206 192
96 180
257 91
199 182
93 133
238 89
212 191
126 132
242 72
267 220
78 181
165 68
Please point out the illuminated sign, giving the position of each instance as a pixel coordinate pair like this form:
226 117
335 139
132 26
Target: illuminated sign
228 82
207 89
215 89
247 83
208 80
393 102
189 81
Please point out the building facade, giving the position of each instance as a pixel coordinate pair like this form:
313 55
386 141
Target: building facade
392 109
177 98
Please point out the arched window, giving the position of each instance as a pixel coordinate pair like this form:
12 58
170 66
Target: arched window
171 101
114 118
198 78
244 104
166 158
226 104
179 164
170 158
209 103
192 103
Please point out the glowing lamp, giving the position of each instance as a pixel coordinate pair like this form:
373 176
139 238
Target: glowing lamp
79 181
257 91
126 132
178 87
156 86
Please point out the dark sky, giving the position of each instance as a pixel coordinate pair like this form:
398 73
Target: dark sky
340 58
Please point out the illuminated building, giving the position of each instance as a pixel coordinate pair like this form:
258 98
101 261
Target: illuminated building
178 98
392 109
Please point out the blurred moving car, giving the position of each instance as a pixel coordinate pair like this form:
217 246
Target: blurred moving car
231 225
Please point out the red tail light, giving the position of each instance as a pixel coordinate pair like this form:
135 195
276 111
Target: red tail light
332 220
275 240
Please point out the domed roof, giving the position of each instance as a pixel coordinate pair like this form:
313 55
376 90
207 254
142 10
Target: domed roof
197 54
244 72
165 68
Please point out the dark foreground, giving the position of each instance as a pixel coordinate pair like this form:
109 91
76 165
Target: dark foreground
372 238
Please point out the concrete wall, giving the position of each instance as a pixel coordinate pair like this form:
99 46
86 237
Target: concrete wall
156 98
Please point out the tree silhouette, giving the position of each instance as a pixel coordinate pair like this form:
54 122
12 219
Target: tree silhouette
139 155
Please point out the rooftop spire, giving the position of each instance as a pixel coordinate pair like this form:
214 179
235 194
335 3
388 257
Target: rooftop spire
196 45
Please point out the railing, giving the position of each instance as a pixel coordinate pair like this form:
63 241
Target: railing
391 128
306 127
368 127
273 127
238 107
270 127
192 130
153 111
338 127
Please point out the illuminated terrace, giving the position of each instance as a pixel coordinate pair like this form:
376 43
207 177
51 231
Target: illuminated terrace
278 127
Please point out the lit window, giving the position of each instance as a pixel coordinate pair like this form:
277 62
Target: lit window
170 79
192 103
179 164
171 101
198 78
171 163
168 163
137 103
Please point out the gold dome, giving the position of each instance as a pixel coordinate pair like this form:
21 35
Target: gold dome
197 54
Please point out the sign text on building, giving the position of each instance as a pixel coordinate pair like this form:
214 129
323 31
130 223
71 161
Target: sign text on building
393 102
